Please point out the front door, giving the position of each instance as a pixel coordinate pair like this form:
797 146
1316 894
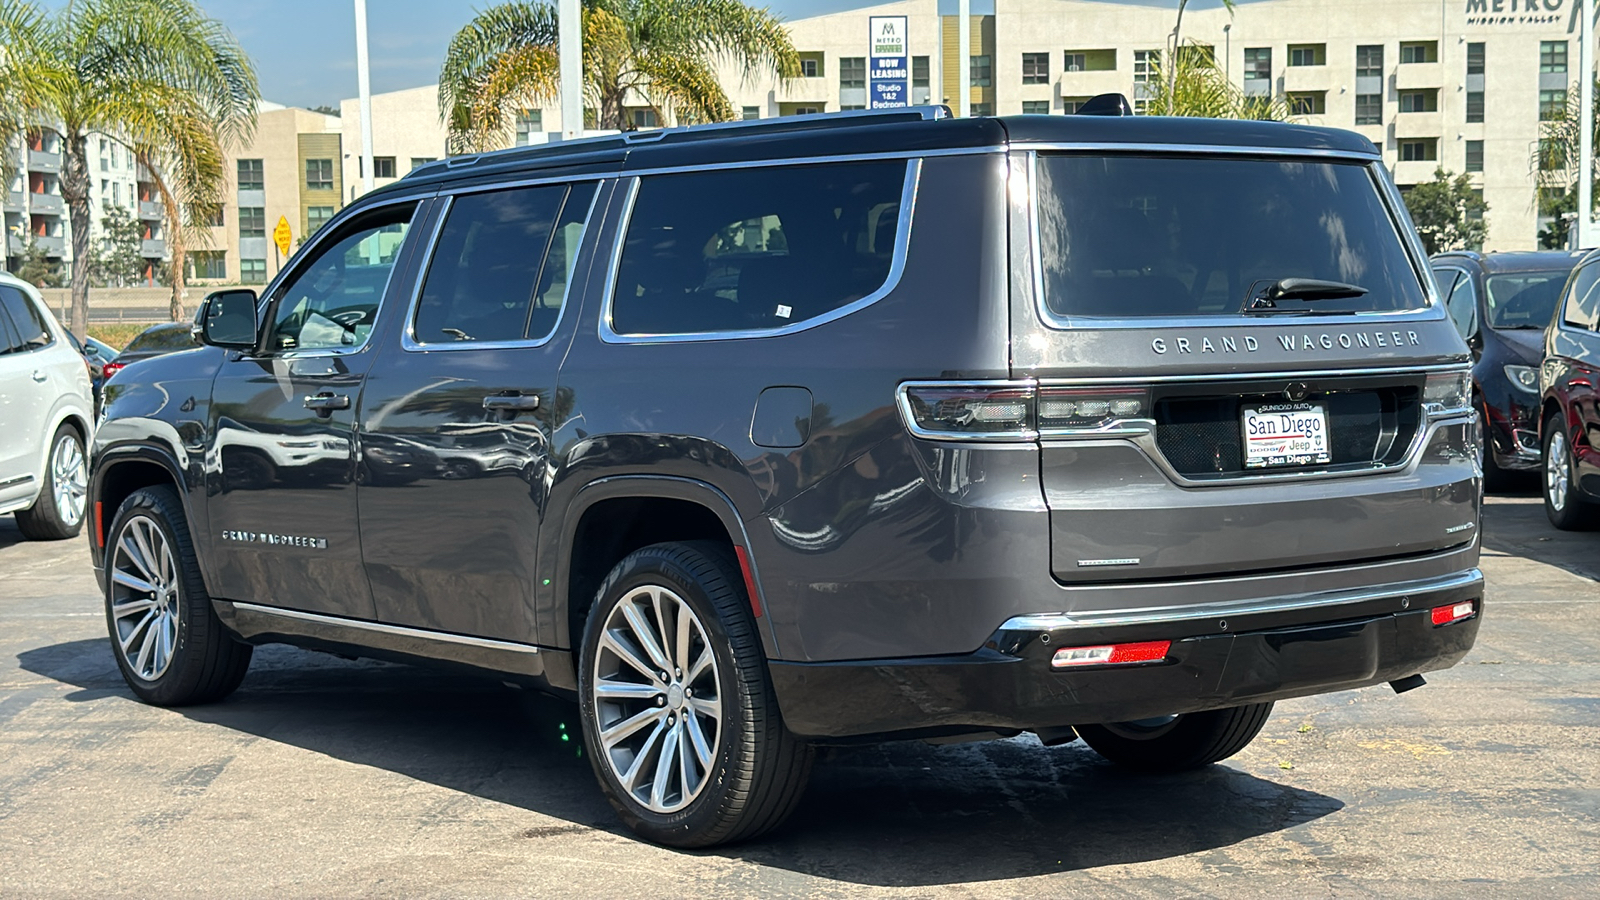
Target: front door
454 421
283 499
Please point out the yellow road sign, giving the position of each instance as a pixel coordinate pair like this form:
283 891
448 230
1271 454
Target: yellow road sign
282 235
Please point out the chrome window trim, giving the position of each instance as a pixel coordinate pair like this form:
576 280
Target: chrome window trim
883 156
1560 316
902 400
408 339
1472 578
1292 374
324 235
1431 310
384 628
902 243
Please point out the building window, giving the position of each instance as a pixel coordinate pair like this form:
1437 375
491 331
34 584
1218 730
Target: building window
643 118
750 113
1475 58
1419 52
1308 103
316 217
1549 159
982 71
1089 61
1369 109
1141 106
983 109
1369 60
1308 54
1419 101
1035 68
252 271
418 162
529 122
1074 62
1552 56
1551 105
1036 107
252 222
250 175
217 218
1145 62
1474 106
1071 105
1257 63
319 174
807 111
811 66
209 263
383 167
1474 156
852 72
1419 149
116 188
919 71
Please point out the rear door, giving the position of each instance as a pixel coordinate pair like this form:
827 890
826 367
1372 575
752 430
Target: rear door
27 392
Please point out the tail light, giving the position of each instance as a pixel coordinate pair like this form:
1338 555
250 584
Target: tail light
1448 393
1141 653
111 368
1455 612
1020 410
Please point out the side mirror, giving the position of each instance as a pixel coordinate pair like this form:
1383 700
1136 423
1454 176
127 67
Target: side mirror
227 319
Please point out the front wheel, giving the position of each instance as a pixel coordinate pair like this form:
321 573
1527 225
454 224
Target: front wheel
679 717
1564 505
1177 743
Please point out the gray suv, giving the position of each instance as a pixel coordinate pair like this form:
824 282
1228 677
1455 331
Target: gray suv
872 426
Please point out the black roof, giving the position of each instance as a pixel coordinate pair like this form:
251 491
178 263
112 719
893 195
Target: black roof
897 131
1517 260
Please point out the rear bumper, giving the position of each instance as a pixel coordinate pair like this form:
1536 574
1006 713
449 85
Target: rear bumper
1272 650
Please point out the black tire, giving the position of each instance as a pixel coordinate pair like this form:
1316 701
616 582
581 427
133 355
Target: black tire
758 770
1180 743
206 662
46 519
1566 506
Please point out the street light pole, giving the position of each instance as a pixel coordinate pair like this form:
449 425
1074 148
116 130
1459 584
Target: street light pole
364 89
569 36
1586 223
964 58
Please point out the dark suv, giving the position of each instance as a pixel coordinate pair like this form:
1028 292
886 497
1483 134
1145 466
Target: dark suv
856 427
1500 303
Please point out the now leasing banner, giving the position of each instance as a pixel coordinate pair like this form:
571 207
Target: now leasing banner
889 74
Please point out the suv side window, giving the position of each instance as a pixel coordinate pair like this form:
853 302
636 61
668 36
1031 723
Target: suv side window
499 270
332 300
1583 298
756 249
29 331
1462 305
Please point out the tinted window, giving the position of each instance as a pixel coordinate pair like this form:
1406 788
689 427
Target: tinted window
495 274
1462 305
8 336
161 339
1523 299
756 248
30 330
1583 298
1134 236
332 300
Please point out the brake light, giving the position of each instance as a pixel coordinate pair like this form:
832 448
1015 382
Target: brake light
1455 612
1143 652
110 369
1447 393
1020 410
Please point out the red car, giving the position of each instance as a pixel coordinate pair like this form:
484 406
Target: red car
1569 385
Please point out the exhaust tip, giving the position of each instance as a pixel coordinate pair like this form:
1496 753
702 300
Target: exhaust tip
1406 684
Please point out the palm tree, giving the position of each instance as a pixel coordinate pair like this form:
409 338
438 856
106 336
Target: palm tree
1190 84
1177 41
1556 162
664 52
155 75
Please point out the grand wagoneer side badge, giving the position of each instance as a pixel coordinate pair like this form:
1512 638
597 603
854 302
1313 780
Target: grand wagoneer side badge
1289 343
275 540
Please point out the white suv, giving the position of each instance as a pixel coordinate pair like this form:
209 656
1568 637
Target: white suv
45 417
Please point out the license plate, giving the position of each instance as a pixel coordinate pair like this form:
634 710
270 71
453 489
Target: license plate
1285 434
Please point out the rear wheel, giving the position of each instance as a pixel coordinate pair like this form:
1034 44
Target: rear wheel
679 717
1565 506
58 513
1177 743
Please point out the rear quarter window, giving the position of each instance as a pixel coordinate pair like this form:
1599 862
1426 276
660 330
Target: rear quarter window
1130 236
757 249
29 331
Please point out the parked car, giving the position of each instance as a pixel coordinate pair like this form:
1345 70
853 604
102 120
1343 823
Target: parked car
871 426
157 340
46 411
1500 303
1569 412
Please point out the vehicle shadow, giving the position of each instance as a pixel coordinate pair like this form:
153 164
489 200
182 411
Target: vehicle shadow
1519 527
902 814
10 535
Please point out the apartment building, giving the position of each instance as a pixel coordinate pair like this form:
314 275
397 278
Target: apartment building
406 133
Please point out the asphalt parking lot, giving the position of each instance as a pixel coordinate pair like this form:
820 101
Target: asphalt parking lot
326 777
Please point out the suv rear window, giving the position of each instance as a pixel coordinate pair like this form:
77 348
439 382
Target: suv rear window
756 249
1129 236
1524 299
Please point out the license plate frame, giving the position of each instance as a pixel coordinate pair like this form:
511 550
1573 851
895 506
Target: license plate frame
1285 434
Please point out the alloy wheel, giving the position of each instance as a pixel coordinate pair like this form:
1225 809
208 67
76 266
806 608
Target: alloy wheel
69 478
1557 471
144 597
657 704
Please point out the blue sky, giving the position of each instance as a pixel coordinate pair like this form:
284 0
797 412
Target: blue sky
305 49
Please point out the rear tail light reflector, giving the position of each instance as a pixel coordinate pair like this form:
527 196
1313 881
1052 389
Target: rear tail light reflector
1111 654
1455 612
111 368
1016 410
1447 393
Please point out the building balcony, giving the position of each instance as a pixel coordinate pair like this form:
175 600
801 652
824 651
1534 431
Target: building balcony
149 209
810 91
1090 82
1418 75
15 246
42 161
1415 171
1306 78
1418 124
153 249
46 204
16 201
50 246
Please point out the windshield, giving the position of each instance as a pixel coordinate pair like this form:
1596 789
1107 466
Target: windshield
1523 299
1136 236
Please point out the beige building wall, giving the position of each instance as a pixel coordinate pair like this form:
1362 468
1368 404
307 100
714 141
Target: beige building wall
405 127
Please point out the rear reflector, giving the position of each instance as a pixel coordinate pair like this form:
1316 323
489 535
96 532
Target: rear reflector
1111 654
1444 615
749 580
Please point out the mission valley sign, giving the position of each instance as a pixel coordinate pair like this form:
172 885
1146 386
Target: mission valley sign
1522 12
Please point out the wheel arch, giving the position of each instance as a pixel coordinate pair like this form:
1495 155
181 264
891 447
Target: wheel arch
121 469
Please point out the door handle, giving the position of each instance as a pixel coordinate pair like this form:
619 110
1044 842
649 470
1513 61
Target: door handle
325 404
511 402
39 376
